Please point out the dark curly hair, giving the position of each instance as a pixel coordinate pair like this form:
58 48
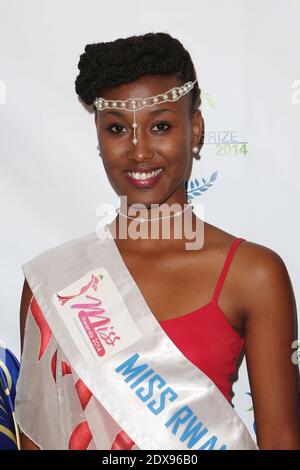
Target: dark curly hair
109 64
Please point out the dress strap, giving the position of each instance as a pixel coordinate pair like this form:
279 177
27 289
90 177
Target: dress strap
226 266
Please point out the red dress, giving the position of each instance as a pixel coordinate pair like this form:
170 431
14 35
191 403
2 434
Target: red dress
206 337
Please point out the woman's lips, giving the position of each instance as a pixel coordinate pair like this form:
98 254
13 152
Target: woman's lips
146 183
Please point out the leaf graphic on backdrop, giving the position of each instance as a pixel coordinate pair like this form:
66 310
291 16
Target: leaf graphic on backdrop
209 99
196 189
214 176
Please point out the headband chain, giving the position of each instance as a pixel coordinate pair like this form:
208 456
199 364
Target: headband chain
135 104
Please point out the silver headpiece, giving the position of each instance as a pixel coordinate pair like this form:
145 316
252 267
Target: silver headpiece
135 104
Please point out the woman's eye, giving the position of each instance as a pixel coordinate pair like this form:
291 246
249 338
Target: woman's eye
117 126
162 126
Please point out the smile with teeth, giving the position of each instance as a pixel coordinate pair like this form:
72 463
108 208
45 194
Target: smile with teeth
144 176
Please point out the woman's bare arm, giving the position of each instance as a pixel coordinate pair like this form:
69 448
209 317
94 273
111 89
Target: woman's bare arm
26 443
271 328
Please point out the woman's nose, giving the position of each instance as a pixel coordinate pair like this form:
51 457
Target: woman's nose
142 149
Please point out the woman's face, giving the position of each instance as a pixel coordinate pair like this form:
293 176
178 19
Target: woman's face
166 133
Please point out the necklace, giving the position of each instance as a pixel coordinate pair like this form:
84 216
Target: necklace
142 219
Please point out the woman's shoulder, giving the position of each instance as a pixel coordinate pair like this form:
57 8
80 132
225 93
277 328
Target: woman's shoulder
254 257
260 281
262 264
258 269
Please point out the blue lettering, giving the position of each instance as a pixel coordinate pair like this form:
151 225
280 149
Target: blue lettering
193 431
190 430
179 420
140 379
128 366
162 401
150 383
210 444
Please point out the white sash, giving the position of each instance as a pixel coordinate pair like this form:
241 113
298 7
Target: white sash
120 382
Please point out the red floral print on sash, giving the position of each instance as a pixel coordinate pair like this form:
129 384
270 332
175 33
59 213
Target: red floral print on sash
65 367
53 365
83 392
43 327
80 437
122 442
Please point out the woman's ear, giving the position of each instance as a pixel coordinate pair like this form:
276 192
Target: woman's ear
197 128
202 136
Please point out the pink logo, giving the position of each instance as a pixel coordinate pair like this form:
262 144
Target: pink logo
93 283
97 325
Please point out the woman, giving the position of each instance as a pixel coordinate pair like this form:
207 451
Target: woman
238 294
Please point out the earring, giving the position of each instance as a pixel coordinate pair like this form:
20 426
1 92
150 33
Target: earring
195 151
99 152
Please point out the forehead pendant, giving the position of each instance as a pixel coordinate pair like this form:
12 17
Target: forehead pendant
135 104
